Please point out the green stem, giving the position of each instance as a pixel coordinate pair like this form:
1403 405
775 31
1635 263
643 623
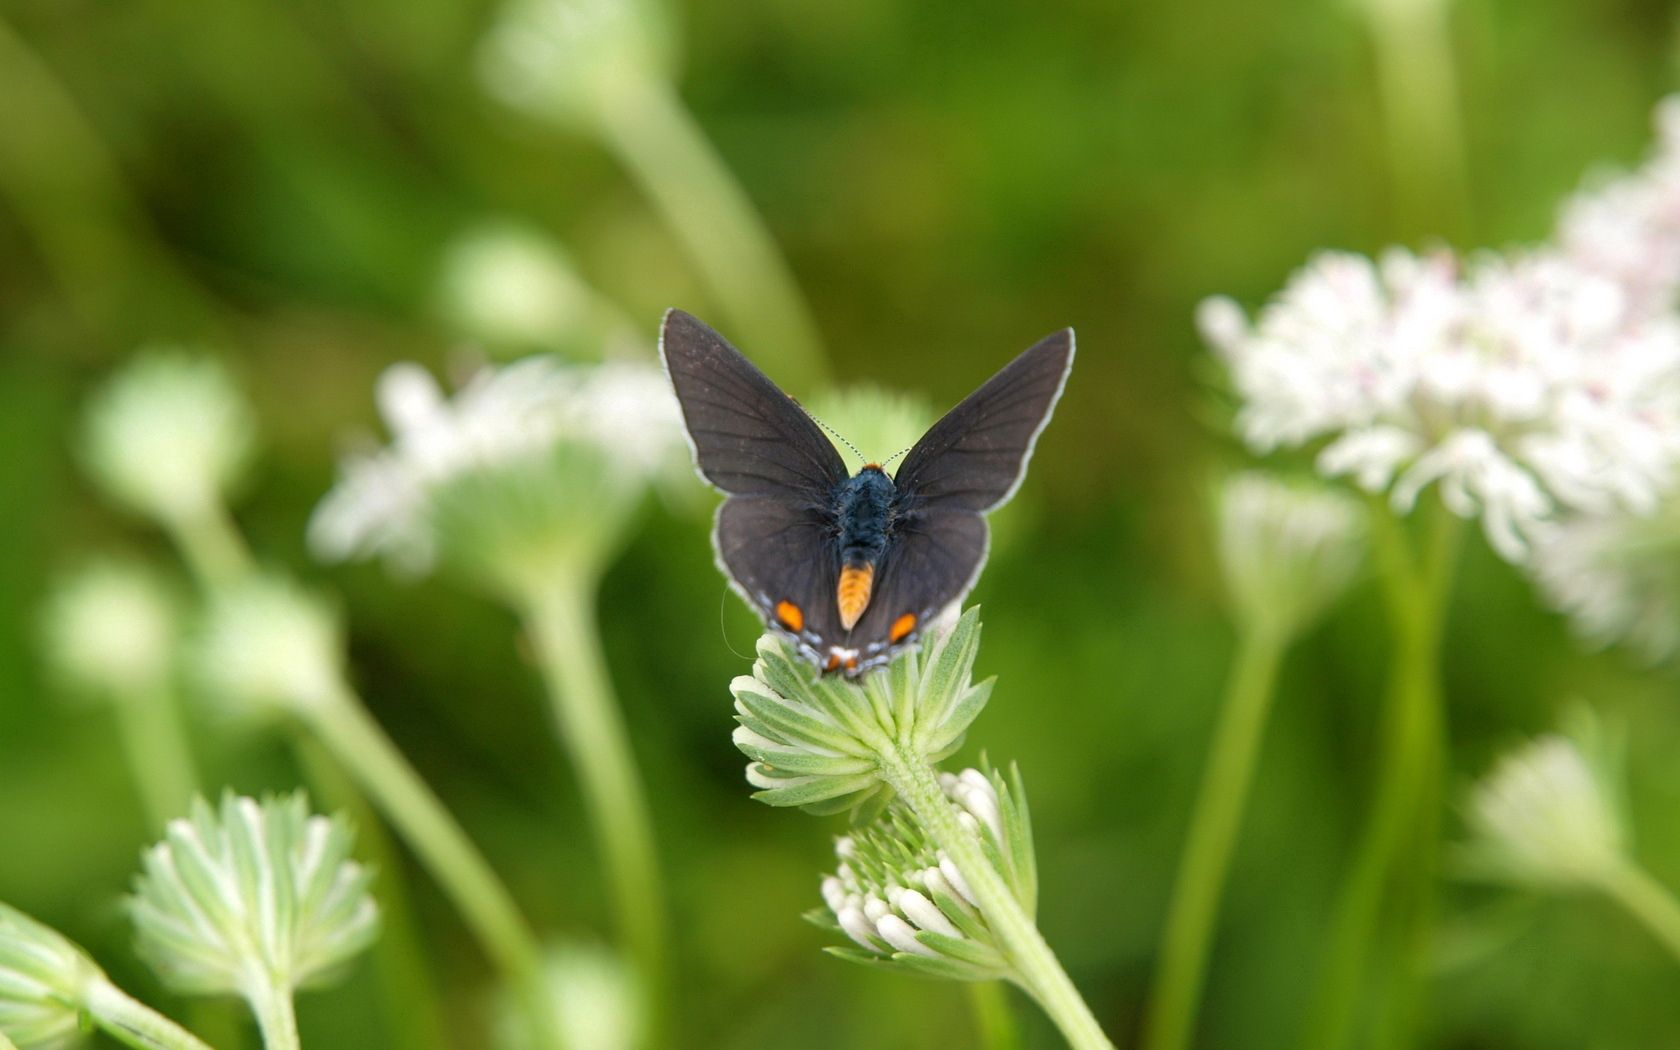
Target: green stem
561 621
150 725
994 1021
1213 831
367 754
1419 96
132 1022
409 997
212 547
1035 964
276 1015
1408 790
646 124
1647 900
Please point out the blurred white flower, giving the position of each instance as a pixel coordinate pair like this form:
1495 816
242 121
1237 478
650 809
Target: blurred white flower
526 460
900 900
1617 577
1626 227
567 60
168 435
1549 813
267 648
1521 386
594 997
111 629
513 289
1288 550
252 899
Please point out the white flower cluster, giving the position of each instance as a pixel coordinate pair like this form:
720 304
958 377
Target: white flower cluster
1548 815
1523 386
1287 550
1617 577
511 417
899 898
1626 227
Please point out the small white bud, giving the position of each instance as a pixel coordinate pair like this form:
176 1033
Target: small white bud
921 911
898 933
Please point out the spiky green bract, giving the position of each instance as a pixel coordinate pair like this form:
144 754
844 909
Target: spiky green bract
43 981
51 993
903 902
816 741
252 897
1551 815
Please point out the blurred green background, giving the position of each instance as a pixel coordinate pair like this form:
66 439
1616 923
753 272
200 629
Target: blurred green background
949 180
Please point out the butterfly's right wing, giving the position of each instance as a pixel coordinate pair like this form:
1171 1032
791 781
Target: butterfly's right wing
750 439
773 536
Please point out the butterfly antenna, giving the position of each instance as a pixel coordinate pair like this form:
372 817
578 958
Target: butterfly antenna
837 436
897 454
723 626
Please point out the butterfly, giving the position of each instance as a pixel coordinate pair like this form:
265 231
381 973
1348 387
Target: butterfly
851 568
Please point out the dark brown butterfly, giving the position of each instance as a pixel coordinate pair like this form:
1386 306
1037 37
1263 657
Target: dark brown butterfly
851 568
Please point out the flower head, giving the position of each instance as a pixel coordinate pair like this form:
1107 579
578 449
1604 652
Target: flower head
815 740
267 648
1550 813
250 897
902 902
44 980
595 999
111 629
568 60
1627 227
169 435
1287 550
514 289
531 464
1518 386
1616 576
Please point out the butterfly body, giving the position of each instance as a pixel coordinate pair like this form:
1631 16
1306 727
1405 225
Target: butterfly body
851 568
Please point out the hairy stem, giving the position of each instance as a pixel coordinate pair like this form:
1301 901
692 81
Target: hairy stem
1220 802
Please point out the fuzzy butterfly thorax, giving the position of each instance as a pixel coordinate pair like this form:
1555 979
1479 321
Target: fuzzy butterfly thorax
852 568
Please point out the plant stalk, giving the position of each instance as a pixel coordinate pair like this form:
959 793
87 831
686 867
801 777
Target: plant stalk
560 619
1409 789
132 1022
1036 965
1648 901
1226 781
657 139
276 1014
149 722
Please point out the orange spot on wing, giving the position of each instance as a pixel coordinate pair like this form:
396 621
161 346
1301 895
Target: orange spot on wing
833 662
790 616
853 593
901 628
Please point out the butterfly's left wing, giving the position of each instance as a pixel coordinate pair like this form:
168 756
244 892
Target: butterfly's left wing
974 457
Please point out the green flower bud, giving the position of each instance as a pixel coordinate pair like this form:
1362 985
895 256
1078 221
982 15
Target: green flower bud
253 898
169 435
111 629
815 740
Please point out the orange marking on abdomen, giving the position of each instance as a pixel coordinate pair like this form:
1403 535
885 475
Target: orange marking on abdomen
790 616
901 628
853 593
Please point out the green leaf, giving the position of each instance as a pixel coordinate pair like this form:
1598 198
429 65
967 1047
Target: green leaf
805 791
